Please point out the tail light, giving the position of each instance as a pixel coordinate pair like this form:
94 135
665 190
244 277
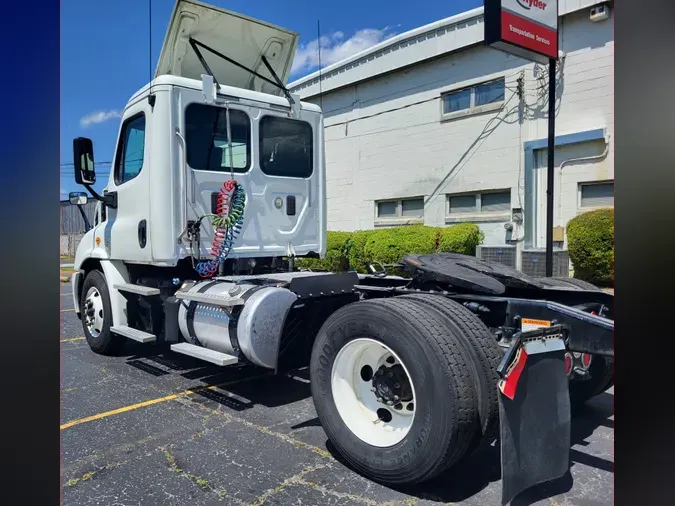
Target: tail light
586 360
568 364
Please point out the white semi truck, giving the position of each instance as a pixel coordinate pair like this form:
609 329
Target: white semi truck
218 184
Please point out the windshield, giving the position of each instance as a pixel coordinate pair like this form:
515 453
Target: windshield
206 138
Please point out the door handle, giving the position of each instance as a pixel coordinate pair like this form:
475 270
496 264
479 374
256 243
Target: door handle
142 233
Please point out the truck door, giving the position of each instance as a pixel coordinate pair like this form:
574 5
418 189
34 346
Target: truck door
127 227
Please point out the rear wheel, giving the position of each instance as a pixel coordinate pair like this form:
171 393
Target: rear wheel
601 379
601 368
485 353
97 315
391 388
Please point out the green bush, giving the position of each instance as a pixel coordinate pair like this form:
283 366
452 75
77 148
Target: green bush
336 255
356 258
590 239
355 250
390 245
461 238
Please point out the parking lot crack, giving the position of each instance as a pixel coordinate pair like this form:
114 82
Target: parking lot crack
197 480
293 480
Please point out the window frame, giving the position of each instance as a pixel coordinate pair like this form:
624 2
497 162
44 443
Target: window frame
121 148
249 146
581 184
477 214
312 153
472 109
399 219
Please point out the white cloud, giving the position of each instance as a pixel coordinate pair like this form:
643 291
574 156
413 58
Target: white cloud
98 117
335 47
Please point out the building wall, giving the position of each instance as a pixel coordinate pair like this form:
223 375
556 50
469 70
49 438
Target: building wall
385 138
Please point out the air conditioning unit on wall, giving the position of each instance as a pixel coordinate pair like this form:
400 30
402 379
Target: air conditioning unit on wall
505 254
534 262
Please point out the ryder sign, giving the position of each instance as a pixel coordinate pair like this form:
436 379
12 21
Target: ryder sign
527 28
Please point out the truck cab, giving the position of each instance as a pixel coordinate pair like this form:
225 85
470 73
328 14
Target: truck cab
217 109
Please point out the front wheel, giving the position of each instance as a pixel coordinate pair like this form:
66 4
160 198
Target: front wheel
392 390
97 315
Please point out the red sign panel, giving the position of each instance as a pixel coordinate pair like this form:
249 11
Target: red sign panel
527 28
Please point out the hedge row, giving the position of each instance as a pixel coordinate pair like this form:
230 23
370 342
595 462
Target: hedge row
355 250
590 242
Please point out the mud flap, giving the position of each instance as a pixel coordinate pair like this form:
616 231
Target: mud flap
534 411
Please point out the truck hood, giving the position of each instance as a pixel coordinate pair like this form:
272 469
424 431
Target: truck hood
243 39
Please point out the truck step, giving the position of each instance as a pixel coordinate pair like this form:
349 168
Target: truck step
215 357
137 289
135 334
209 298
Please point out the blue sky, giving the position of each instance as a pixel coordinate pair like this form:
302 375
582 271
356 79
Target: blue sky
105 52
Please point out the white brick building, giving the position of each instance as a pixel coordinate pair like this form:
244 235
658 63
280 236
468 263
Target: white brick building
429 127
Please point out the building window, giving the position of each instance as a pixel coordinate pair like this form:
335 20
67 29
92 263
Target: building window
401 209
597 194
494 202
475 99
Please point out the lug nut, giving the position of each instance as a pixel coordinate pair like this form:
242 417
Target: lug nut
397 385
396 398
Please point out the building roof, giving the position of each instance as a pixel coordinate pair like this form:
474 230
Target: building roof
426 42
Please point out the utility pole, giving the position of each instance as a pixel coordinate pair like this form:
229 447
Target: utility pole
550 172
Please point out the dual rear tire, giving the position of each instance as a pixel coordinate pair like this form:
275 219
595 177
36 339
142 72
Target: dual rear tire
403 386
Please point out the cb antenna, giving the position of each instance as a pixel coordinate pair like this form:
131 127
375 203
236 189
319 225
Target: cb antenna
151 97
318 39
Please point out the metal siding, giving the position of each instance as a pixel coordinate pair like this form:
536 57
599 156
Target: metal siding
71 219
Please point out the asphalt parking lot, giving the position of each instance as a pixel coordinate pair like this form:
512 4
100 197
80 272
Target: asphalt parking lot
151 429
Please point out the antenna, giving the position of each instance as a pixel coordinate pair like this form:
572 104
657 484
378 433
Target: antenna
151 97
318 39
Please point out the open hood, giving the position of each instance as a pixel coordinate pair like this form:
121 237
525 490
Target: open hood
240 38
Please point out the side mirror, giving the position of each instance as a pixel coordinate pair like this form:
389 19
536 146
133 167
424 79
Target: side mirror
83 154
78 198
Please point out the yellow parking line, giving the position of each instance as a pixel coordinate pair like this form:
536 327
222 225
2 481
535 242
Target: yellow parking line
153 401
72 339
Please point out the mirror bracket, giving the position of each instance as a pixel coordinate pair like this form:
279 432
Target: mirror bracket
109 199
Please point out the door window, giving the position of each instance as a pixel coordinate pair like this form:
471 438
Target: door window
131 150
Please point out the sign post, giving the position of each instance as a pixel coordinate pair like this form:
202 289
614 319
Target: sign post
529 29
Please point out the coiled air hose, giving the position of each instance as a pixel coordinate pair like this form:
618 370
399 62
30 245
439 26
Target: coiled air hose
228 222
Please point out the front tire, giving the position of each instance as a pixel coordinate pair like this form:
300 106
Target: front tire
97 315
444 406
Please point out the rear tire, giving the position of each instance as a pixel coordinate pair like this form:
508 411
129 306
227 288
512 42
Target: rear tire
485 353
446 416
602 378
97 315
601 370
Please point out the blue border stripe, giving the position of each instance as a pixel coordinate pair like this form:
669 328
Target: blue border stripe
530 192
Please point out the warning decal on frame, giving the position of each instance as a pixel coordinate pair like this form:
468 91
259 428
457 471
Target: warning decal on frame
528 324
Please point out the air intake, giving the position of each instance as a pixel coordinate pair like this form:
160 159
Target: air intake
534 262
505 254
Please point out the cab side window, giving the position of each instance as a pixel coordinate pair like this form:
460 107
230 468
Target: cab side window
129 159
